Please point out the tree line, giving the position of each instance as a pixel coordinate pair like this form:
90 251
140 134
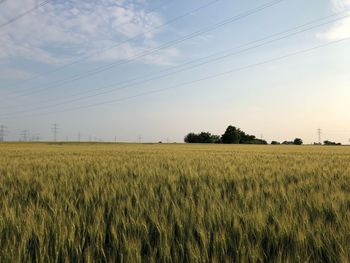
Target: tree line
331 143
232 135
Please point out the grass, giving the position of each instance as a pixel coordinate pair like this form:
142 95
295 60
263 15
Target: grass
174 203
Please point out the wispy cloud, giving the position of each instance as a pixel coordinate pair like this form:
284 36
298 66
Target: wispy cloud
340 4
125 51
342 28
64 30
12 73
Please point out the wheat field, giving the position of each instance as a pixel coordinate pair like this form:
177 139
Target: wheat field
174 203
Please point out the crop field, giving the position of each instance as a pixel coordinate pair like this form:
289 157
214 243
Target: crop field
174 203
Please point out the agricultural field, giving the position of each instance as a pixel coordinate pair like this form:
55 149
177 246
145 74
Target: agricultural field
174 203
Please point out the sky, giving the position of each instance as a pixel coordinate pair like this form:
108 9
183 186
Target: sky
131 70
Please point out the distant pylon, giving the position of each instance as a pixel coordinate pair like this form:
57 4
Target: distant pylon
35 137
24 135
55 131
319 132
2 132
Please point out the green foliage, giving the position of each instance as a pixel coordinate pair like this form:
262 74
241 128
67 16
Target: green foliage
203 137
331 143
298 141
232 135
173 203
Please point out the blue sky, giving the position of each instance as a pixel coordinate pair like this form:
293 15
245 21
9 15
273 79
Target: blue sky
98 68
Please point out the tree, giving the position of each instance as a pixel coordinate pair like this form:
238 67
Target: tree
231 135
191 138
203 137
216 138
330 143
298 141
275 143
255 141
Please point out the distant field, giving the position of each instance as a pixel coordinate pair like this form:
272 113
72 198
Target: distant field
174 203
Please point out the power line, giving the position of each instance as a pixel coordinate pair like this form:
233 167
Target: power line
202 79
102 68
335 132
154 9
171 43
173 20
223 55
219 74
14 19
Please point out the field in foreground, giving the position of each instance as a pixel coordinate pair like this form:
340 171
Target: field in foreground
174 203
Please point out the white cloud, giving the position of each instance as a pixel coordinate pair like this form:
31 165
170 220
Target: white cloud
63 30
340 4
125 51
341 29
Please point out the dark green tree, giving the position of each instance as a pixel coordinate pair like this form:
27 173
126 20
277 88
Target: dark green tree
231 135
203 137
191 138
275 143
298 141
331 143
